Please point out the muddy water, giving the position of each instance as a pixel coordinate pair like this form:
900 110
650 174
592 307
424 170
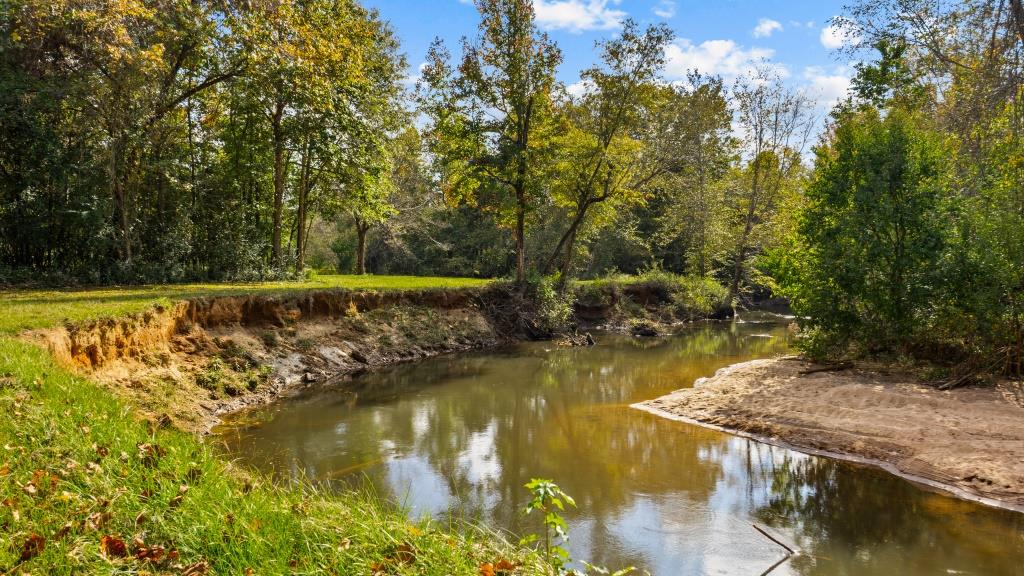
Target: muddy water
461 435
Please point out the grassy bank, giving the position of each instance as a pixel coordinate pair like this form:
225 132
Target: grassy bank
29 309
85 486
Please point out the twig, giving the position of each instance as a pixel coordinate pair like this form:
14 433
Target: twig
773 539
789 551
833 368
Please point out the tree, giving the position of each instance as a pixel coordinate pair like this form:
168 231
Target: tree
490 118
692 213
367 204
873 233
601 159
775 124
131 65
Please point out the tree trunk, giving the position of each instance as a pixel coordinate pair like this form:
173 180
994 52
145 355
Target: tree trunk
748 227
118 194
361 229
279 175
567 262
520 236
301 215
567 238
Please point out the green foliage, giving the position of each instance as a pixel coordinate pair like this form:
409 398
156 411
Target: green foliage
484 159
866 269
148 142
547 499
553 306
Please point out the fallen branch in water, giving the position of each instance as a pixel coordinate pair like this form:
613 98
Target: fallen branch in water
789 551
833 368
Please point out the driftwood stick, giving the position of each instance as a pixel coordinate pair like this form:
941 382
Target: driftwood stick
773 539
789 551
833 368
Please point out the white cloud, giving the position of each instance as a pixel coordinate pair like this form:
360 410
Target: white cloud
577 89
838 34
717 57
827 88
578 15
665 9
765 27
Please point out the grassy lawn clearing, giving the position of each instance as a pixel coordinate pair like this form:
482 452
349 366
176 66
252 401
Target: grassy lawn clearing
29 309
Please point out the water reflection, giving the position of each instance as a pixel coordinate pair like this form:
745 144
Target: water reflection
461 435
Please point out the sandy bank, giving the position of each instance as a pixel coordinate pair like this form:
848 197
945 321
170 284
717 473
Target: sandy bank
968 441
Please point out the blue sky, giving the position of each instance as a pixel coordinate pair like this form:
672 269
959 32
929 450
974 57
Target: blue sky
723 37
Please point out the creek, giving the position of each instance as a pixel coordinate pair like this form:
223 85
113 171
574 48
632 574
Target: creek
458 436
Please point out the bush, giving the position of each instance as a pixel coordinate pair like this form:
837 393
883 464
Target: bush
553 308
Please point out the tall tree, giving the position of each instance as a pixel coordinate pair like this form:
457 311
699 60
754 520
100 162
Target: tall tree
775 123
601 159
874 231
323 69
490 119
693 215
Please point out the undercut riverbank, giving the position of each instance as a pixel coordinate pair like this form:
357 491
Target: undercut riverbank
968 442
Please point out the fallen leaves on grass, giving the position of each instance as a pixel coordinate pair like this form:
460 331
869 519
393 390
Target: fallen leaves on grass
96 520
499 568
150 454
113 547
197 569
33 546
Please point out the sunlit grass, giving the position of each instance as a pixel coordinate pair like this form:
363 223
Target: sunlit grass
30 309
76 466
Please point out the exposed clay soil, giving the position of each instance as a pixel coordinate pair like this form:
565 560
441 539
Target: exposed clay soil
188 365
967 441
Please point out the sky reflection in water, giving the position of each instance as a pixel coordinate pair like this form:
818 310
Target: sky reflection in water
461 435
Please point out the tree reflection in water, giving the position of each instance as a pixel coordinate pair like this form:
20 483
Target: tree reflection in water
852 519
461 435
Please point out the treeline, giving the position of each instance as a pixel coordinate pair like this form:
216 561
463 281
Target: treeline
161 141
164 140
911 242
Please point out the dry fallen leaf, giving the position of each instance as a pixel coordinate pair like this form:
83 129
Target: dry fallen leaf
33 546
96 520
487 569
504 566
63 531
197 569
113 547
405 553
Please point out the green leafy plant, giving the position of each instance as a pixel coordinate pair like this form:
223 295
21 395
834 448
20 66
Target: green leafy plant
549 500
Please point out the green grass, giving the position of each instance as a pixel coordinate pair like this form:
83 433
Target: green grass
78 468
31 309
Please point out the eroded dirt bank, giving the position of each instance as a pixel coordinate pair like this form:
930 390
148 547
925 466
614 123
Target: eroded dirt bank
188 364
967 441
